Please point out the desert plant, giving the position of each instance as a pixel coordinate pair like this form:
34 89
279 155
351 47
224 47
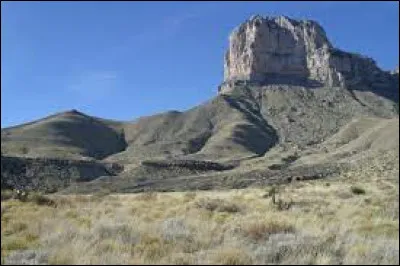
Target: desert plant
20 194
24 150
291 158
190 196
232 256
280 204
101 194
357 190
276 166
217 205
271 192
41 199
262 230
147 195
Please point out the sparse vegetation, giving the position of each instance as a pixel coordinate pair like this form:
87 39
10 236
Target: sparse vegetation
357 190
41 199
262 230
291 158
217 205
24 150
205 227
147 196
6 194
279 203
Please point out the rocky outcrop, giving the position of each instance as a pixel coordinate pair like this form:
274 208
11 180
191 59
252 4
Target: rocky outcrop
280 50
50 174
189 164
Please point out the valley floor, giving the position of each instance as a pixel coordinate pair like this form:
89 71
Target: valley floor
349 219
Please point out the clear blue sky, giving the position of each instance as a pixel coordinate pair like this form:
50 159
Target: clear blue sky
122 60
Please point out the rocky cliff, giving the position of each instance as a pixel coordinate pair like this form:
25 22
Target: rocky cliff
278 50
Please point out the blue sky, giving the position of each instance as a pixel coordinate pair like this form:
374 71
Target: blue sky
122 60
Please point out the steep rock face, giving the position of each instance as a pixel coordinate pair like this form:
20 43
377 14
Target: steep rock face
280 49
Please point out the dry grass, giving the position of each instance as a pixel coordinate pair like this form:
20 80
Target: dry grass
217 205
262 230
226 227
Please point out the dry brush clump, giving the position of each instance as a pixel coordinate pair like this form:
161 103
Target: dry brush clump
261 230
218 205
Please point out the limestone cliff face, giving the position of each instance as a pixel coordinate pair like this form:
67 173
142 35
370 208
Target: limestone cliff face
272 49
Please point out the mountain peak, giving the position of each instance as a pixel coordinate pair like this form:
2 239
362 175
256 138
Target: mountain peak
74 112
276 49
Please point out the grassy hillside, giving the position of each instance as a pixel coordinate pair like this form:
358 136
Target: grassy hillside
71 134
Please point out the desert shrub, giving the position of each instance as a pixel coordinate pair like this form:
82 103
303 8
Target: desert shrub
189 196
60 257
357 190
151 248
270 192
64 201
262 230
147 195
232 256
204 186
282 205
99 195
41 199
279 204
14 243
51 190
141 179
290 158
276 166
16 227
24 150
19 194
217 205
174 229
121 232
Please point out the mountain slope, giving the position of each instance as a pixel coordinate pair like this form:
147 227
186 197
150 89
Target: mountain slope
245 123
68 135
289 98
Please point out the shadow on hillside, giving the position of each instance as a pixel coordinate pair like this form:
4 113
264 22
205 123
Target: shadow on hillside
258 137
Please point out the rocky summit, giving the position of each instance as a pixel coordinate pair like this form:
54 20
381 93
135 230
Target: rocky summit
290 106
280 50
